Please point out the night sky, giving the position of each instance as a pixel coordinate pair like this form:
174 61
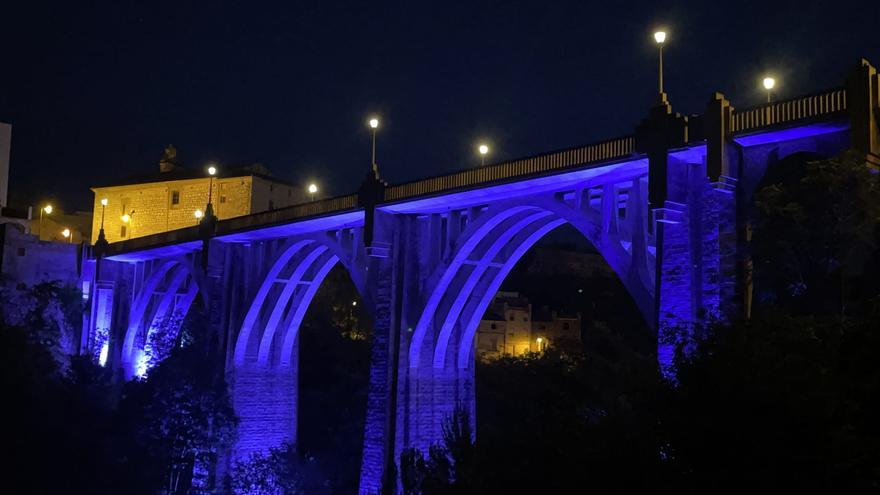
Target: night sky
95 90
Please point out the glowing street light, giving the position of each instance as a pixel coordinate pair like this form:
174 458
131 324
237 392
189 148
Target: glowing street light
104 204
354 303
198 214
540 341
212 171
313 188
660 39
483 148
769 83
374 125
66 234
48 211
126 219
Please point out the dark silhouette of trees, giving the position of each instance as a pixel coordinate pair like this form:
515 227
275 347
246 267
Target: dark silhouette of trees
789 400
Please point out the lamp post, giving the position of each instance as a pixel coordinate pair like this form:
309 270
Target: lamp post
101 244
660 39
374 125
313 188
48 211
198 214
540 341
769 83
483 148
104 203
209 208
67 235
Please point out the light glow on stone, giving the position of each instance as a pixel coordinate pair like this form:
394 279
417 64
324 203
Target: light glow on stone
102 357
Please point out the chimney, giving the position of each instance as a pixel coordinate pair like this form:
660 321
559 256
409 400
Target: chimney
168 162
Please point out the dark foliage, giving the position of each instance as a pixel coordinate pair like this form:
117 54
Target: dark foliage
75 430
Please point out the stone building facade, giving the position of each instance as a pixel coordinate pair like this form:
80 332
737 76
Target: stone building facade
510 327
170 199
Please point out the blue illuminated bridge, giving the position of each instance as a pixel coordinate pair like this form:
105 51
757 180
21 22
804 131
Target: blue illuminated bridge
665 207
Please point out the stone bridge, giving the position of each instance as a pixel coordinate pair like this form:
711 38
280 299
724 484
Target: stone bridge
666 207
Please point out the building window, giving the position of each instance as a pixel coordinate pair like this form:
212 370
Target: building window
565 326
175 197
122 231
271 205
494 326
222 199
271 187
511 317
525 318
289 192
20 251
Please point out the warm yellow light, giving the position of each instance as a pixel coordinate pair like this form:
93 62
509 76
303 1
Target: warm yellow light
313 188
354 303
374 123
198 213
483 148
104 201
769 83
126 218
65 233
212 170
660 37
48 209
540 339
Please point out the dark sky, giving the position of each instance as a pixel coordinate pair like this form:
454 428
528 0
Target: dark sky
95 90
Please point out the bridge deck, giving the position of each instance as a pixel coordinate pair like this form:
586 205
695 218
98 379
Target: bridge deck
750 126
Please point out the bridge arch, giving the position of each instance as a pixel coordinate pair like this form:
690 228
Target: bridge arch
157 313
271 324
462 288
264 374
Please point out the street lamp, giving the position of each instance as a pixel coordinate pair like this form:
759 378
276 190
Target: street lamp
540 340
126 219
374 125
198 214
483 148
66 234
769 83
312 190
660 39
48 211
209 209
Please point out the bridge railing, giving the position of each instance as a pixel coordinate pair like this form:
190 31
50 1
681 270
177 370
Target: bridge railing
314 208
806 107
597 152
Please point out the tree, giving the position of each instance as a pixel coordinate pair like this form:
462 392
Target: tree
176 421
817 233
280 471
789 399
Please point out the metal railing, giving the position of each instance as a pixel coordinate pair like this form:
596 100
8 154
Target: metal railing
319 207
782 112
602 151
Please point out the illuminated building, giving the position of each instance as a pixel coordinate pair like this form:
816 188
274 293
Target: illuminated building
168 200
